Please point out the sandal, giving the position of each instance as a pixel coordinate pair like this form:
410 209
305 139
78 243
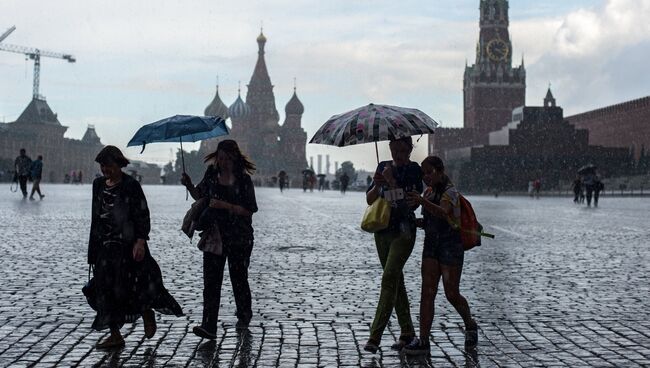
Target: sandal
402 342
111 342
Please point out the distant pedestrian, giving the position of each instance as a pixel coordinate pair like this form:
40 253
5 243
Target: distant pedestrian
598 187
127 281
368 181
537 186
590 184
228 184
345 181
80 177
442 255
321 182
392 180
36 174
577 188
22 167
282 180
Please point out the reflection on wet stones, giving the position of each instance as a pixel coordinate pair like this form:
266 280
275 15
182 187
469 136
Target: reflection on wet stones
561 287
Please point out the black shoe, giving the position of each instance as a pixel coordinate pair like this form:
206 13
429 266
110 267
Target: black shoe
402 342
417 347
149 322
371 346
201 331
471 336
242 324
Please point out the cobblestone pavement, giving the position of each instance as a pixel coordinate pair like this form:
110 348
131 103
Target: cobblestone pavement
561 285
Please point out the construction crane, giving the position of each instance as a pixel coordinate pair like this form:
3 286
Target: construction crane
34 54
7 33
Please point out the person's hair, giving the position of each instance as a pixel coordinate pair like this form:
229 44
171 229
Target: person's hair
22 150
407 140
242 164
438 165
40 157
111 154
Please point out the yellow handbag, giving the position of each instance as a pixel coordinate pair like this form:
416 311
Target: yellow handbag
377 216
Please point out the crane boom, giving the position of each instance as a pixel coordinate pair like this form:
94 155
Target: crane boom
31 52
35 54
7 33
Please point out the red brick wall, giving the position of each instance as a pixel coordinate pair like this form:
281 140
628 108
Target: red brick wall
622 125
449 138
491 108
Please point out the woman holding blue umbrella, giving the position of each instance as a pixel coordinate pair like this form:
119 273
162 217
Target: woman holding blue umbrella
227 182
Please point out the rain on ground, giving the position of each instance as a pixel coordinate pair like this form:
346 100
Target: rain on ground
561 285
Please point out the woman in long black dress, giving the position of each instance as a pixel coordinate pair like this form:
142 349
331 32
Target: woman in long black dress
228 184
127 281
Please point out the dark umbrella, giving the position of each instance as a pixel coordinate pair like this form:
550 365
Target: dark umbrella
587 169
308 171
179 128
373 123
321 175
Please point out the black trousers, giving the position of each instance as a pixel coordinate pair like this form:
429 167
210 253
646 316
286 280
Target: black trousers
238 258
22 179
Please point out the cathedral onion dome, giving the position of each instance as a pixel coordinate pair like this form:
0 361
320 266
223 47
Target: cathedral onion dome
294 106
261 38
217 107
239 109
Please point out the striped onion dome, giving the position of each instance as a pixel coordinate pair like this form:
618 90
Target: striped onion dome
294 106
217 107
239 109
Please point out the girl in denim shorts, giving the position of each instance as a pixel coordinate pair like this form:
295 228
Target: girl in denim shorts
443 253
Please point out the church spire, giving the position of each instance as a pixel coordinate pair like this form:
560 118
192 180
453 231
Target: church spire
260 96
549 100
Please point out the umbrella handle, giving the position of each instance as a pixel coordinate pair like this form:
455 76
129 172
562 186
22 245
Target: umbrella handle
377 152
183 163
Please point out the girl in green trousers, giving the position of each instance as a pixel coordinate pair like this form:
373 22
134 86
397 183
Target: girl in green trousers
395 243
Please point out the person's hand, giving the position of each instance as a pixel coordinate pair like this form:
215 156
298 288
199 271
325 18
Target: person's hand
388 175
138 250
379 180
219 204
186 180
414 198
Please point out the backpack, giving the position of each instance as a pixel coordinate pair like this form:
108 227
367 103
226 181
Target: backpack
469 227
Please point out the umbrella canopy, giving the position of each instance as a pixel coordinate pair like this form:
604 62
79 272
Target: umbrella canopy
180 128
589 168
308 171
373 123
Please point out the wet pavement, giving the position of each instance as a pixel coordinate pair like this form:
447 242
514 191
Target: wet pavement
561 285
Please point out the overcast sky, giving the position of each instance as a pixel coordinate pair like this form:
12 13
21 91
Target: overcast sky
139 61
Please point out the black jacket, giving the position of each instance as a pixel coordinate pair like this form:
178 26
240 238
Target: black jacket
130 214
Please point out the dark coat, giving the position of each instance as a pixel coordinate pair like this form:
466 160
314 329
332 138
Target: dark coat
130 214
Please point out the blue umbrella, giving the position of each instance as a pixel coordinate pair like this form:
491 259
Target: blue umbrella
179 128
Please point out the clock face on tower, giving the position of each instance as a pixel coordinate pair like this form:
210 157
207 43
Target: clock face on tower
497 50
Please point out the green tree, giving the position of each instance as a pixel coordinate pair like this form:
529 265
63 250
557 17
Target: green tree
194 166
348 168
